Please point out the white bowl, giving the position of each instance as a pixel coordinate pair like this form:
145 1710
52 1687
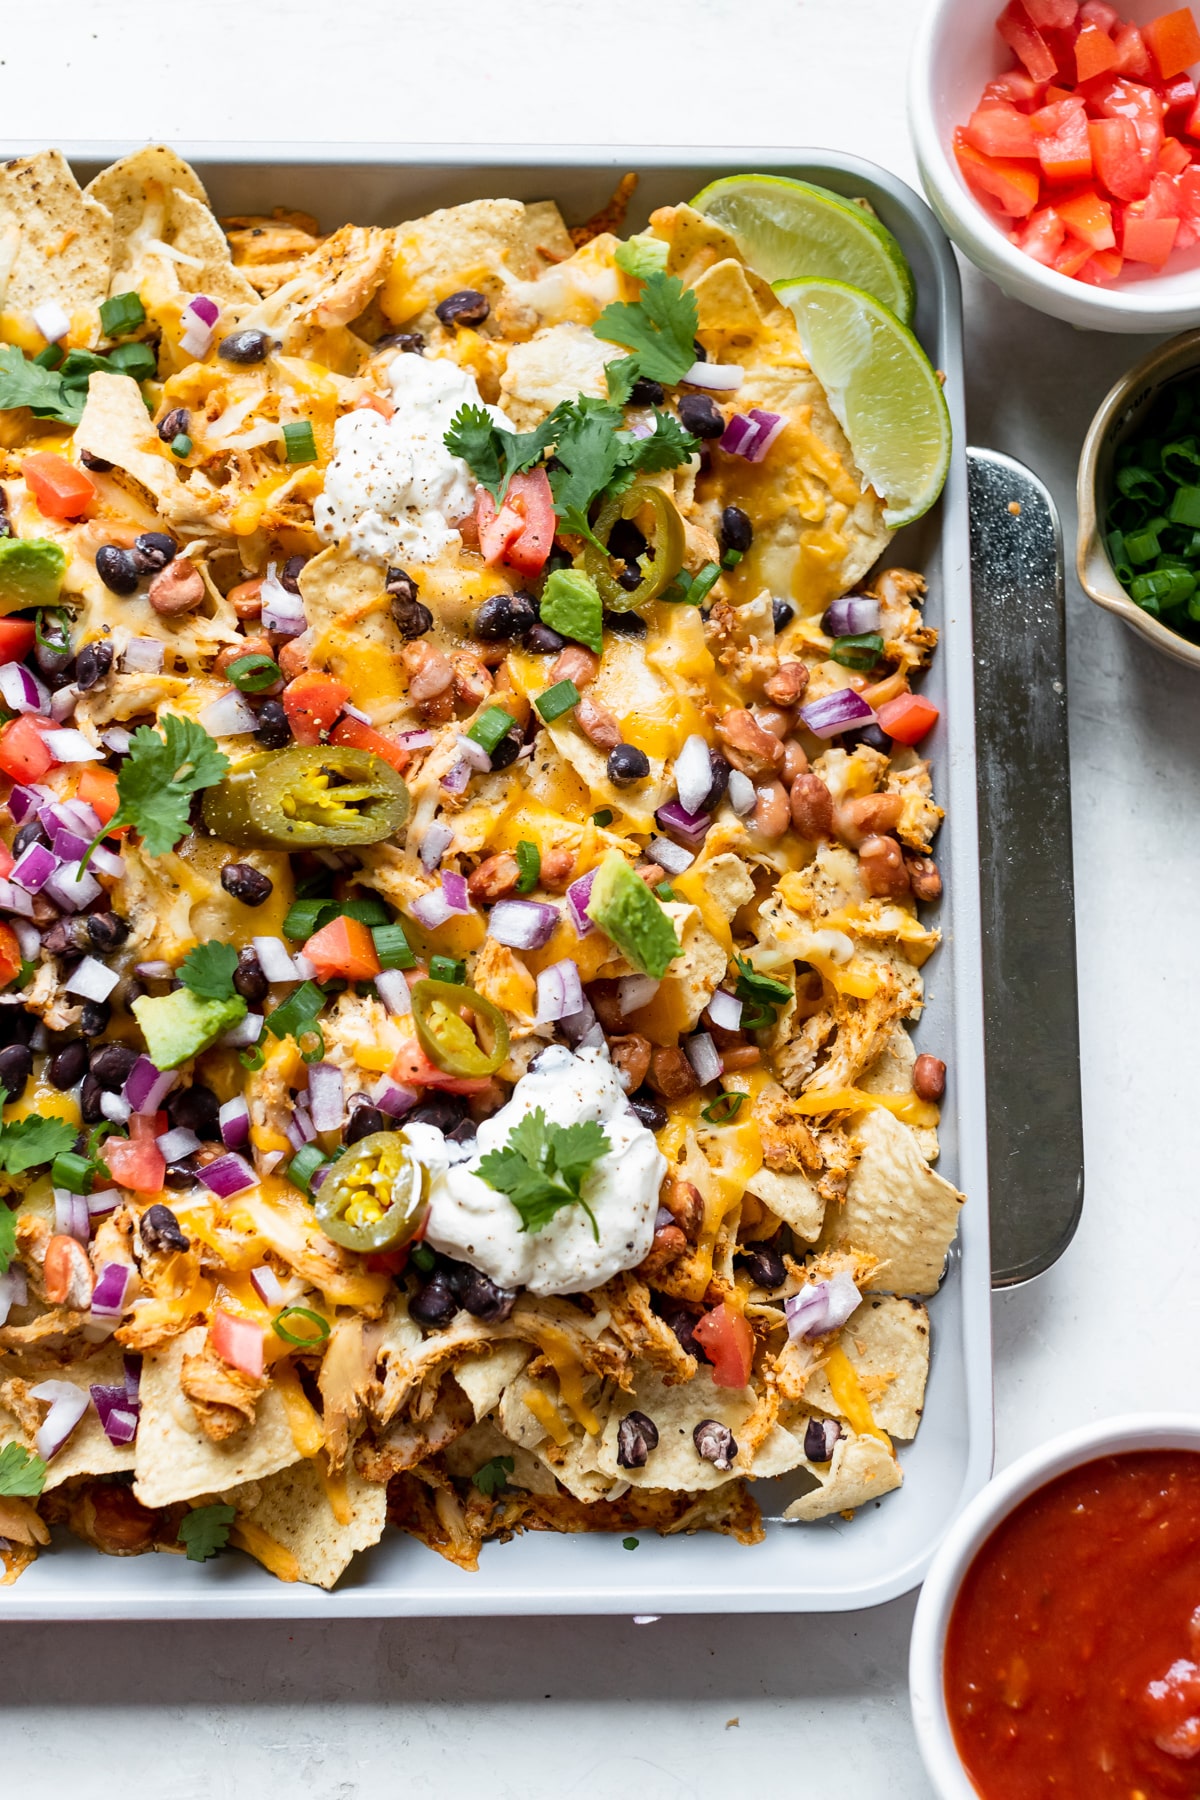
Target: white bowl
957 51
1108 1437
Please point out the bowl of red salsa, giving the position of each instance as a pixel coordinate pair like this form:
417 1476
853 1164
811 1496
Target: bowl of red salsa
1059 144
1056 1645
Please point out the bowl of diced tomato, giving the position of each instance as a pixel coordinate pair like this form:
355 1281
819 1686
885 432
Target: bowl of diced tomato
1059 144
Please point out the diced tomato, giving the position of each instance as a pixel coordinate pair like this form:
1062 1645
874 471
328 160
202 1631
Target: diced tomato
343 950
1147 240
1016 87
1121 99
1120 167
1089 218
16 640
361 736
412 1068
98 789
1054 94
10 950
7 861
1052 15
909 718
1102 268
239 1342
23 752
728 1343
1012 186
377 403
136 1162
60 489
998 129
1174 157
1064 148
1072 256
1026 41
1098 13
1041 236
312 703
1178 98
1094 52
1133 58
1187 192
520 533
1173 41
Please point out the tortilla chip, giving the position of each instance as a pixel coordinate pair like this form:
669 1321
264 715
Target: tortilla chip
696 242
891 1073
727 882
484 1379
896 1208
557 364
55 240
862 1469
292 1509
116 426
483 1443
676 1411
175 1460
887 1344
576 1463
87 1451
736 309
792 1197
469 246
156 198
351 623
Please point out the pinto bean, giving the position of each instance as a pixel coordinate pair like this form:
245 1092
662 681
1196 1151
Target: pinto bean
786 687
772 812
668 1246
929 1078
742 1056
924 876
631 1054
795 762
605 998
292 656
869 816
246 598
597 724
558 866
748 747
495 878
651 873
685 1203
430 671
472 681
232 653
671 1074
577 665
179 588
775 719
881 868
812 807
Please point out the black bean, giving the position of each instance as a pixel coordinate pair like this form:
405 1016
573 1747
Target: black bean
31 832
645 392
243 347
117 569
95 1017
649 1109
544 642
698 350
820 1437
626 541
715 1443
435 1303
107 930
16 1066
870 735
627 764
783 612
506 751
195 1108
463 1133
99 465
5 520
399 584
248 977
177 423
16 1025
242 881
274 732
93 664
161 1230
58 939
364 1122
637 1436
412 343
701 416
683 1324
467 307
68 1066
484 1299
625 624
630 578
765 1267
737 533
444 1113
182 1174
54 656
153 550
505 616
412 619
721 771
289 575
111 1064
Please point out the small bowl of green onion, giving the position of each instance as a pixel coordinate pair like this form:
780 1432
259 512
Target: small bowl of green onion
1139 500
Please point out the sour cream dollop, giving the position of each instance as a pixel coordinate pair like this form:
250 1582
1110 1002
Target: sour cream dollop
475 1223
392 487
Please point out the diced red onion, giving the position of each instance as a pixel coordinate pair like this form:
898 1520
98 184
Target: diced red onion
522 924
142 656
68 1403
298 1129
197 334
474 753
73 887
247 1031
433 909
23 800
693 773
68 846
672 857
356 712
177 1144
305 968
51 320
843 710
635 991
821 1307
852 615
206 309
664 1216
15 900
33 868
393 990
455 780
415 740
116 739
39 1039
575 1026
769 427
14 1291
578 895
392 1098
559 993
281 611
108 1295
146 1087
694 827
719 377
234 1121
133 1378
593 1038
702 1054
741 793
70 815
434 844
326 1096
107 862
274 959
92 980
62 703
230 715
115 1109
106 1201
739 435
21 690
227 1176
120 1424
71 1218
29 939
455 889
725 1011
71 747
268 1286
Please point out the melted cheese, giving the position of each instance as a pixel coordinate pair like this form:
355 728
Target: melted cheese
852 1402
304 1422
265 1549
909 1108
556 1348
548 1416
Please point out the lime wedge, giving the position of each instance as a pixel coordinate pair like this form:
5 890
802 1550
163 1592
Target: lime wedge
787 229
883 391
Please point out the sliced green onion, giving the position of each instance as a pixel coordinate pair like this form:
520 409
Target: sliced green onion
604 817
1185 507
297 1012
529 861
64 619
305 916
447 968
392 947
731 559
310 1040
254 674
181 445
424 1259
557 700
724 1109
665 891
1181 461
74 1172
490 727
137 360
1140 484
301 1312
1163 588
860 651
121 314
299 444
253 1059
702 583
50 357
301 1170
1141 546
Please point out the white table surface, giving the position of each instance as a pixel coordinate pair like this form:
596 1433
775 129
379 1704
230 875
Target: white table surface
688 1707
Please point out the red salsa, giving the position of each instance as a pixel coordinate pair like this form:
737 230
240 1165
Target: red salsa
1072 1662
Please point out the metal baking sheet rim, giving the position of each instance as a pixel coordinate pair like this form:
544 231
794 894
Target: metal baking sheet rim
544 1573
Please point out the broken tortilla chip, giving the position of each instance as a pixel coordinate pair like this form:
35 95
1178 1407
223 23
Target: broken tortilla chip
861 1469
291 1510
887 1343
896 1208
55 240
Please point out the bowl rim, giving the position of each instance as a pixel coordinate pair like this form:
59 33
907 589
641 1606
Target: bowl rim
1165 363
1125 1433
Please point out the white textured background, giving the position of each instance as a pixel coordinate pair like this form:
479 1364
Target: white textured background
694 1708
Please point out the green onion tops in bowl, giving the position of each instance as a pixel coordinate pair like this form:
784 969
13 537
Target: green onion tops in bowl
1139 500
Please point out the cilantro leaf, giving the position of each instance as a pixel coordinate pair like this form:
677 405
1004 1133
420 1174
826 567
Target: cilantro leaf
205 1530
8 1237
24 1144
589 450
667 446
493 1475
541 1168
619 377
659 327
494 455
22 1474
157 779
31 384
752 984
208 971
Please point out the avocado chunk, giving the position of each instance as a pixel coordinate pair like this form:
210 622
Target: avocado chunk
571 606
31 573
626 911
177 1026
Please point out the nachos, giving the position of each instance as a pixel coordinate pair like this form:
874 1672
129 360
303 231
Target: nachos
462 852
